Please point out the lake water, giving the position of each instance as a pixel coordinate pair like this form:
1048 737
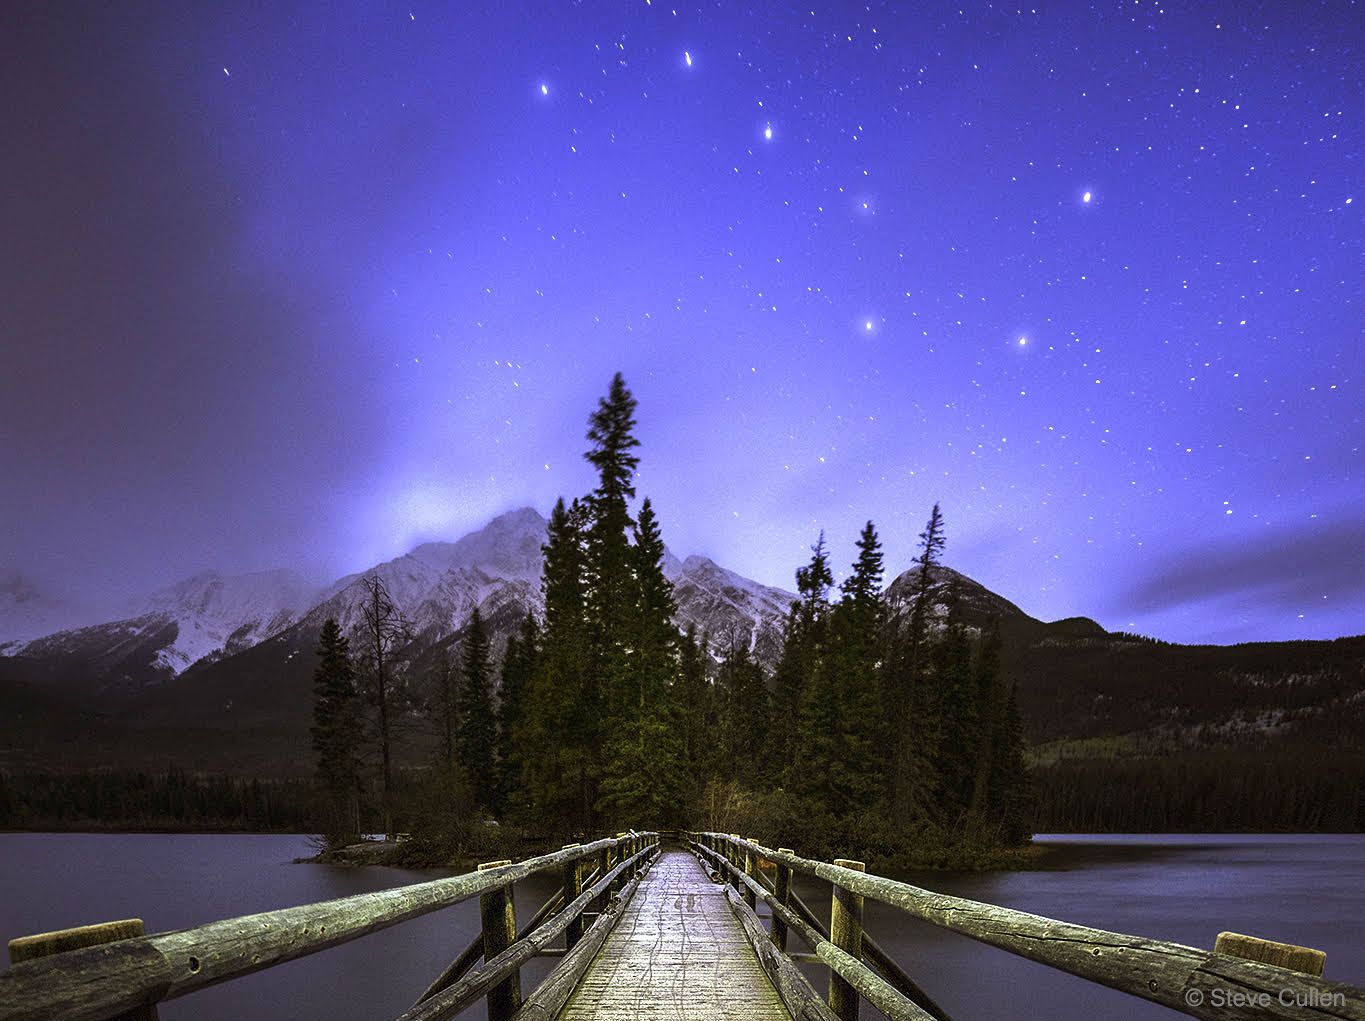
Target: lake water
1299 889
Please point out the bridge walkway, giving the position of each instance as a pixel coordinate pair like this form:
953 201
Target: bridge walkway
677 954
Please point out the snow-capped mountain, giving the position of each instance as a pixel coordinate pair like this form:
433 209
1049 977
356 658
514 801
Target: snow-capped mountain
728 607
216 614
212 617
207 615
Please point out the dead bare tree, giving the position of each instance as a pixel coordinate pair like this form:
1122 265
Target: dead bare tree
384 630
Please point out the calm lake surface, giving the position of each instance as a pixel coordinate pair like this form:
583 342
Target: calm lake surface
1300 889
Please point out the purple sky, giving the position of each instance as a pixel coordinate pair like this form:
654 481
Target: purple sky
305 285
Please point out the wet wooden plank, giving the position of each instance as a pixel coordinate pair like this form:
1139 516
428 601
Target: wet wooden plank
678 954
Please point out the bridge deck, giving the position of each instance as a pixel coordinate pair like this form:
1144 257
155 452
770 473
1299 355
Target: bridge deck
677 954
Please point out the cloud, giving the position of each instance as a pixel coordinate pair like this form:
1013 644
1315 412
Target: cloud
1283 569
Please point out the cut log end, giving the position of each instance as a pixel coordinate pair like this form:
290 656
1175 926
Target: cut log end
1264 951
45 944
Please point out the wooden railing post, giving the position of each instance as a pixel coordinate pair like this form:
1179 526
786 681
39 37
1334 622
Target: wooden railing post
619 855
750 870
603 867
782 891
573 886
732 852
846 933
45 944
499 918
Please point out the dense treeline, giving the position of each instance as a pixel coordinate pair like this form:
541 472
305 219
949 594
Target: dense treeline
1310 789
173 800
883 728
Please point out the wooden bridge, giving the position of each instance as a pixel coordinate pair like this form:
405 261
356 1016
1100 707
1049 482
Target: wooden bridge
669 933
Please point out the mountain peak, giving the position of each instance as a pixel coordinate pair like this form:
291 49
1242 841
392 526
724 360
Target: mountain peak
508 546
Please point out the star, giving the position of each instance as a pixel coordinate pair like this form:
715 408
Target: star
687 57
1086 198
545 90
768 132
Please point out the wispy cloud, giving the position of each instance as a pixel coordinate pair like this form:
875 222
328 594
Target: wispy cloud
1285 568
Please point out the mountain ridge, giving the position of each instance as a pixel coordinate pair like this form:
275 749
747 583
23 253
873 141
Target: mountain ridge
129 690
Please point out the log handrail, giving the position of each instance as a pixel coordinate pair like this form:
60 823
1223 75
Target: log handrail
871 986
459 995
1200 983
99 982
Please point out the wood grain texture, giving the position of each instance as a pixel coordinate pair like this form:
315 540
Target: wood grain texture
1264 951
30 948
801 1001
678 954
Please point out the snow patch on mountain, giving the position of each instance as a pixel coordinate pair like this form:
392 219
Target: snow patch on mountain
220 614
728 607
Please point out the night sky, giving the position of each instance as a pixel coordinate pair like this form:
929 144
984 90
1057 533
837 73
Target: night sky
302 286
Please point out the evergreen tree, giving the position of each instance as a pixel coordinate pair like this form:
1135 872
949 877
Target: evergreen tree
908 700
643 777
563 718
654 648
959 734
518 671
990 702
932 540
840 715
1002 802
802 647
1011 790
336 735
612 595
446 707
697 712
477 736
743 710
860 638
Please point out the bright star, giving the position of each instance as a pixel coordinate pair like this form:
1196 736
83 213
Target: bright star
768 132
1085 197
1023 341
687 57
868 326
544 89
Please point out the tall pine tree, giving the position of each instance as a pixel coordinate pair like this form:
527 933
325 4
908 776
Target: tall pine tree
802 647
956 703
562 767
336 736
643 781
697 712
477 737
841 732
612 595
907 697
518 671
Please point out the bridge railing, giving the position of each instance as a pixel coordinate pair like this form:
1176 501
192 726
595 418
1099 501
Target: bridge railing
1200 983
128 976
